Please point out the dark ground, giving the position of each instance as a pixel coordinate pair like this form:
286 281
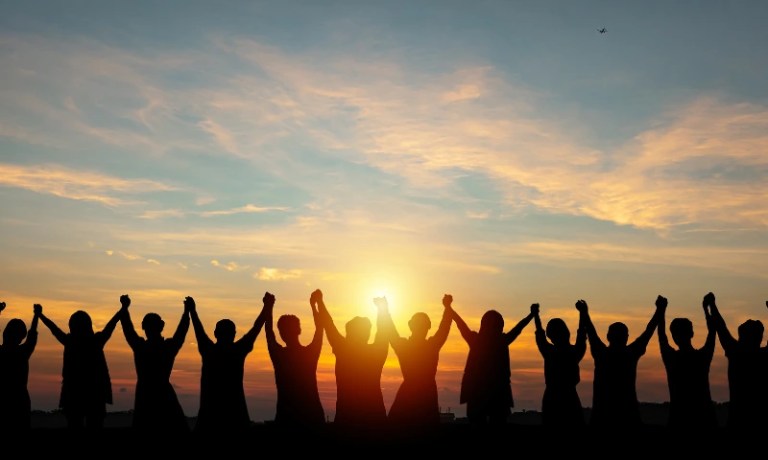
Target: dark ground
524 435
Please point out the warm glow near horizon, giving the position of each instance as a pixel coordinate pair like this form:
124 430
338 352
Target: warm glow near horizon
506 153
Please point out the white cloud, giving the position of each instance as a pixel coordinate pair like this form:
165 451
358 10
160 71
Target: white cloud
276 274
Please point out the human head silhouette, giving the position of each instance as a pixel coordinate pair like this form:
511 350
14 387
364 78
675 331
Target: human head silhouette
225 331
751 333
359 329
681 330
558 332
80 324
14 332
618 334
289 327
492 323
152 324
419 325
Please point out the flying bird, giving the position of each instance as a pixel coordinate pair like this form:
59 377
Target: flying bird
603 30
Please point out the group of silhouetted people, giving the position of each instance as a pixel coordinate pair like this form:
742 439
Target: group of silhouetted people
486 389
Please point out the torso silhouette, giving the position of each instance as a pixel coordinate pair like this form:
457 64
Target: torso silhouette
15 403
561 405
298 399
359 401
614 400
690 400
416 401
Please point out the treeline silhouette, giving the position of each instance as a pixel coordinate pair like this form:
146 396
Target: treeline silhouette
486 389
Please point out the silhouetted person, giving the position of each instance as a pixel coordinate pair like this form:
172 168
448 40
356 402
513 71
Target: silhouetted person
86 387
415 406
690 401
359 401
486 386
298 398
156 407
561 406
223 408
18 345
614 390
747 362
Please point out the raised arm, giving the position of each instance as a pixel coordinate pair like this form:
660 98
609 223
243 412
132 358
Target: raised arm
109 328
709 342
269 328
384 324
203 341
664 345
581 334
589 327
268 303
129 331
645 337
317 339
383 331
181 330
541 335
727 341
465 331
334 336
31 342
60 335
441 335
513 333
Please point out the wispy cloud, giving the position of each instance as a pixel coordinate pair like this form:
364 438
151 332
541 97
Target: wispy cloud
229 266
77 185
276 274
247 209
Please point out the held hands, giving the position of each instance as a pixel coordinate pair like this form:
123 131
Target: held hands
381 303
708 300
2 306
315 298
125 301
269 300
37 309
535 309
661 302
581 306
448 300
189 304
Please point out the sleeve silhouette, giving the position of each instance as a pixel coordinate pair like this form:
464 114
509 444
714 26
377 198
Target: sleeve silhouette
385 322
60 335
249 338
513 333
333 334
129 331
441 335
203 341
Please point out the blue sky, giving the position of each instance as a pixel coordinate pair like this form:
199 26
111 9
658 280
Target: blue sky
505 152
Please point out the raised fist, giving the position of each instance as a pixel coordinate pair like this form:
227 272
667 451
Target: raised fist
380 302
581 305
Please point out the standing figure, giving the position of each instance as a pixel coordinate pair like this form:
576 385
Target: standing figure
690 401
18 345
614 388
156 407
561 406
747 370
486 386
415 406
298 398
223 408
86 387
359 364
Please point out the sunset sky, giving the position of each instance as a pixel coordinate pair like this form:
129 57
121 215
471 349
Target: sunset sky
504 152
